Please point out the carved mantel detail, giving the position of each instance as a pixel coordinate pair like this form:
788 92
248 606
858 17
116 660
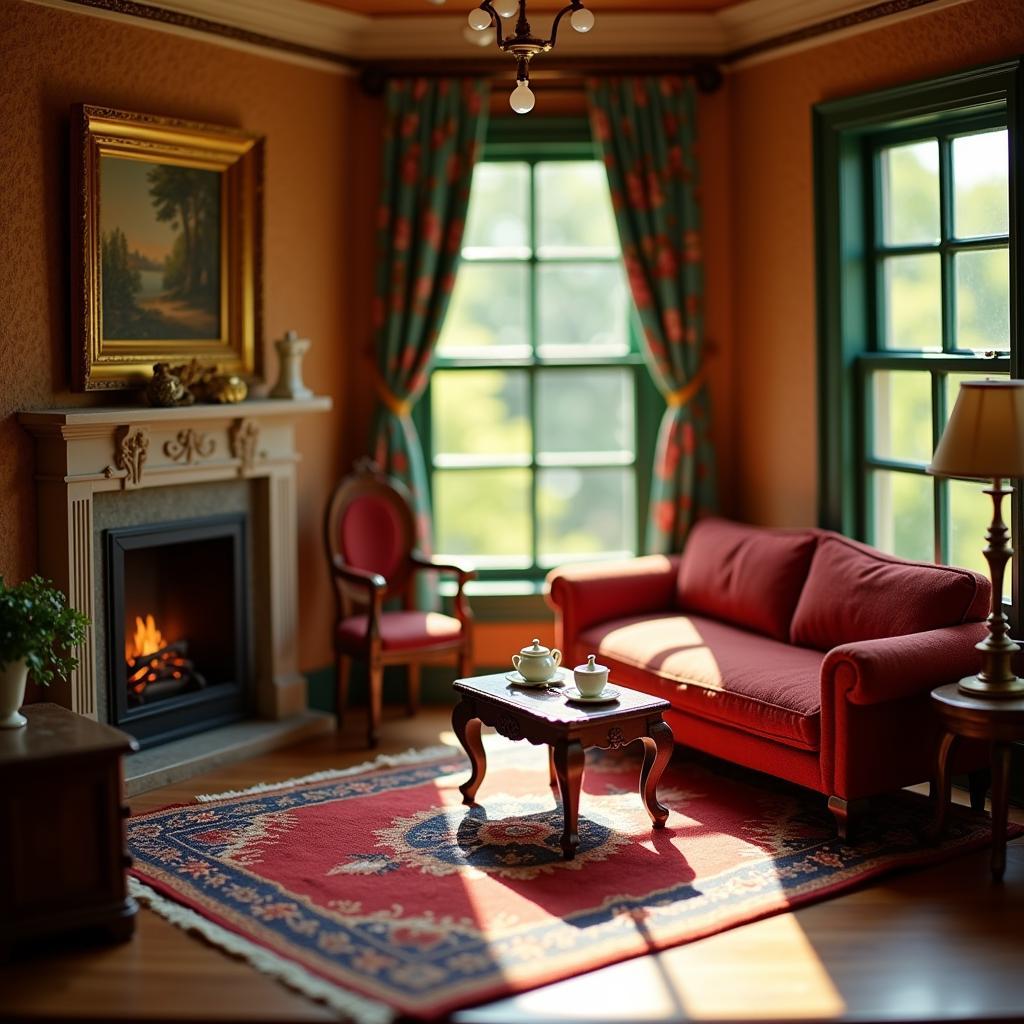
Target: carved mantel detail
244 438
130 452
190 446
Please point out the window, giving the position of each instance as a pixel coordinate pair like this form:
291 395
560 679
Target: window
531 419
915 254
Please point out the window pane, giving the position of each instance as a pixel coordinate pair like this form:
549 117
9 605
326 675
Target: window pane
913 306
484 513
980 177
585 512
574 209
970 512
582 306
480 412
904 514
584 411
489 308
499 211
902 408
983 299
910 193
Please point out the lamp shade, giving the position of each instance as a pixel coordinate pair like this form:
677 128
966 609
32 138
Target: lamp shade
985 433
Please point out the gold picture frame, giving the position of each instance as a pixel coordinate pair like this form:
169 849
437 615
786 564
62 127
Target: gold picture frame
167 219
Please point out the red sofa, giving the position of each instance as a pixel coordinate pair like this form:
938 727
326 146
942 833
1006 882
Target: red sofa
800 653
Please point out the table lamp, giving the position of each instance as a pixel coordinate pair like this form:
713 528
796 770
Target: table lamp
984 438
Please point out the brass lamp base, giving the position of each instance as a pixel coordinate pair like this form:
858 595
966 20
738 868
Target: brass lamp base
1005 689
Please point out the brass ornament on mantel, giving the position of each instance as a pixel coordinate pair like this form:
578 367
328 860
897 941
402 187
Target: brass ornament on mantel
226 390
166 389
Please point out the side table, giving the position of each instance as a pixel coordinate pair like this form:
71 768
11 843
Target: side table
997 722
62 855
542 716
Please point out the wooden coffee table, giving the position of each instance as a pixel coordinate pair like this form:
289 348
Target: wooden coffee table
543 716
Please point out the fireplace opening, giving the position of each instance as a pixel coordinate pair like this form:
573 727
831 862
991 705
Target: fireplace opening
178 626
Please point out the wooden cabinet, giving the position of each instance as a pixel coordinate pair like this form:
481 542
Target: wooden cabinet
62 852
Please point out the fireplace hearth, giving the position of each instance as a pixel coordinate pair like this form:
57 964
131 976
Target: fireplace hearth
178 626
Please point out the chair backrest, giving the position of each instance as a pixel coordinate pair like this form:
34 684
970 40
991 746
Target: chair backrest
370 525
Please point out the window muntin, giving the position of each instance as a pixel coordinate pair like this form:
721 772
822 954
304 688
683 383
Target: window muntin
532 411
939 247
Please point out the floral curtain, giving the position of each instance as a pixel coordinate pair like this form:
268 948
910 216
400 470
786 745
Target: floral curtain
432 138
646 130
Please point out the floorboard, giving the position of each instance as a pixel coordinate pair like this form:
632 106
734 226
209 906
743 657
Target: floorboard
941 944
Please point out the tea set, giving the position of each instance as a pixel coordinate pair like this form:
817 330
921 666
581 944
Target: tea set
539 667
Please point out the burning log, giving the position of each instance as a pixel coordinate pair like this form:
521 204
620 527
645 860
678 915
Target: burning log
163 673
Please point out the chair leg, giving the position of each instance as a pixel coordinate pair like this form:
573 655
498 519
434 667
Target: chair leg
465 662
376 703
413 696
343 670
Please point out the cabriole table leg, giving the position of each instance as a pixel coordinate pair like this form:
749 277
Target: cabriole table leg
569 761
658 747
467 728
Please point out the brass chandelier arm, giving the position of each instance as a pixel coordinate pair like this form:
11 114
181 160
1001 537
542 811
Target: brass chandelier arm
573 5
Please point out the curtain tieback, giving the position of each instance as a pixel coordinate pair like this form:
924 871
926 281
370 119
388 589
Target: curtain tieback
682 396
400 407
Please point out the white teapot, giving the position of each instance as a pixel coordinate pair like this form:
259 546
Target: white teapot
537 664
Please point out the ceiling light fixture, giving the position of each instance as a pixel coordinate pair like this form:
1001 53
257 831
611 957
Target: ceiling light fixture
524 46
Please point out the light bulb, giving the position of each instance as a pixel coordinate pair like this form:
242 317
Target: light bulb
479 20
522 98
505 8
582 20
481 39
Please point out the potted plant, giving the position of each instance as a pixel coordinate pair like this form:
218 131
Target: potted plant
37 634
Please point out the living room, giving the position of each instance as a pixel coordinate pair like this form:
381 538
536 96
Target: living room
778 91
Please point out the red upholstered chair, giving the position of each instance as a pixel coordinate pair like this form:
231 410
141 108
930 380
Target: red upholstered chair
370 533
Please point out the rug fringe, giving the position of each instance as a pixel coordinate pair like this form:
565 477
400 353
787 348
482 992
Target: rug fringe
358 1008
410 756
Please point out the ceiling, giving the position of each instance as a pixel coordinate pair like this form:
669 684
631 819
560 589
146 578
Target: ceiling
404 8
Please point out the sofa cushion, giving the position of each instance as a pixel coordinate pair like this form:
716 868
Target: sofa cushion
747 575
854 592
712 669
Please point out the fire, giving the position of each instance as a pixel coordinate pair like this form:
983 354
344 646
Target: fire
147 639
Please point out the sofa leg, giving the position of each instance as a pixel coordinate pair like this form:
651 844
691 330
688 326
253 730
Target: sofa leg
845 813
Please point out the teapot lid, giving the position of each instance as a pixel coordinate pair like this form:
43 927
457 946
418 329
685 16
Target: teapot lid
590 666
535 650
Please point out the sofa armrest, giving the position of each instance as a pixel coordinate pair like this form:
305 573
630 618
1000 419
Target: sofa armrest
583 595
875 671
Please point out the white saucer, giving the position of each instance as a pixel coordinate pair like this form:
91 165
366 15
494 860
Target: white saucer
517 680
606 696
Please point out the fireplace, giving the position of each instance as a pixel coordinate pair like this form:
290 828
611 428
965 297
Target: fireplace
178 634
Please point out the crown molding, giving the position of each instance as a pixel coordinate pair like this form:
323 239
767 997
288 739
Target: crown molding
310 33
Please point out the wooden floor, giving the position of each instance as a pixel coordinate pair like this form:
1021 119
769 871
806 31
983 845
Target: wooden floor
936 945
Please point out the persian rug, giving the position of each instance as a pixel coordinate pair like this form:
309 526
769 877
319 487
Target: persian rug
377 891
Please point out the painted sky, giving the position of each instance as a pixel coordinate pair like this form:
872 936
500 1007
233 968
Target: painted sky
125 203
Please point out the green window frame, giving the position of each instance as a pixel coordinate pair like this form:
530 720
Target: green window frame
861 373
541 142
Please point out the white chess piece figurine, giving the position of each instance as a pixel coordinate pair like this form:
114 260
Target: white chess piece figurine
290 350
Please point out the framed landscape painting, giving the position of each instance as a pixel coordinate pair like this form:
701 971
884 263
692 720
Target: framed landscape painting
168 231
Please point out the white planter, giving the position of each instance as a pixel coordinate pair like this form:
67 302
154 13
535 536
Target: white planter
12 693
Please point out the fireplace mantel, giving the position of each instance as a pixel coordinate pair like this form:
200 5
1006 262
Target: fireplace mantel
81 452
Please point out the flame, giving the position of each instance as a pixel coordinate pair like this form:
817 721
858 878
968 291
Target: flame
147 639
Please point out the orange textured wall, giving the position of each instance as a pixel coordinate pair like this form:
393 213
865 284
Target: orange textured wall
772 279
54 58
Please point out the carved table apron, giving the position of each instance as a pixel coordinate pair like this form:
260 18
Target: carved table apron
541 715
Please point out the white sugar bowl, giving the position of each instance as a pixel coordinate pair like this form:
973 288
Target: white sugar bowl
591 678
536 663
